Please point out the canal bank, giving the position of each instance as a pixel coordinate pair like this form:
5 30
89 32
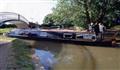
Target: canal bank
80 57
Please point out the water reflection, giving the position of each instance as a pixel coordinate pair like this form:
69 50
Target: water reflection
46 58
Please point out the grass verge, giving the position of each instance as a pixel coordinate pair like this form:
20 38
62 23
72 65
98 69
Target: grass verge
4 30
4 38
22 54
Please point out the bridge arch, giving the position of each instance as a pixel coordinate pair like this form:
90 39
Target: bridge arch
14 18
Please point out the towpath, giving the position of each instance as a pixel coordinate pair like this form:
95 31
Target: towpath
6 60
5 52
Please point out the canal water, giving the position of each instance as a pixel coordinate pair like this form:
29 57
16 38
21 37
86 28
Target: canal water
64 56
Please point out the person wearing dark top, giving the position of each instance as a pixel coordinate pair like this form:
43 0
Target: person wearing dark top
96 29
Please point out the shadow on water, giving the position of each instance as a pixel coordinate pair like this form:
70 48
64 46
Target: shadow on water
107 44
49 46
68 56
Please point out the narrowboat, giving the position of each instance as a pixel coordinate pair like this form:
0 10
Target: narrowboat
66 36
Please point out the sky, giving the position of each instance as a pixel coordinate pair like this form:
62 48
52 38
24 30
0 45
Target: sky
33 10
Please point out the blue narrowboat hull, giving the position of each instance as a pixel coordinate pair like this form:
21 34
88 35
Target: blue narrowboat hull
70 37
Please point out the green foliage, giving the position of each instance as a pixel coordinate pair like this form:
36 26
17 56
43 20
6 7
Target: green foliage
48 18
67 13
107 11
82 12
22 55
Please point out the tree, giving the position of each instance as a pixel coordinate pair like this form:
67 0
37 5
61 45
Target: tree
83 12
103 11
48 18
70 12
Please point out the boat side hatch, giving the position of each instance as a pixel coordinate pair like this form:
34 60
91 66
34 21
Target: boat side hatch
68 35
43 34
85 36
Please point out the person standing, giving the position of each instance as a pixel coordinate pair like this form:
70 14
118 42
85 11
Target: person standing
91 27
102 29
96 29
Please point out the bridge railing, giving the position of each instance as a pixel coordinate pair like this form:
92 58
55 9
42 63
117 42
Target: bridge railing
7 16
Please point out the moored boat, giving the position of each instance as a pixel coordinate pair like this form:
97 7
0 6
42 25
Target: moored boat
66 36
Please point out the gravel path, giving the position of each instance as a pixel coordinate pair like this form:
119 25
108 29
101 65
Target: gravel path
5 52
3 43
